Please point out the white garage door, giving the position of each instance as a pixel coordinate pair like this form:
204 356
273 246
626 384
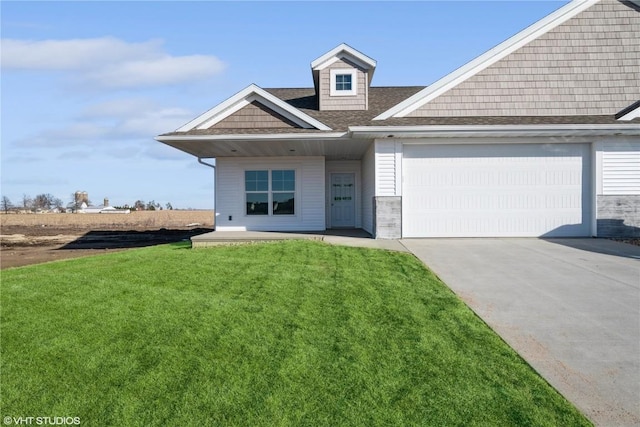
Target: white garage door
496 190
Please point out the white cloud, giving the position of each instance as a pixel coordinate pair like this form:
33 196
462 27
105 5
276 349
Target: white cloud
74 54
137 116
122 107
109 62
112 124
156 71
82 133
154 122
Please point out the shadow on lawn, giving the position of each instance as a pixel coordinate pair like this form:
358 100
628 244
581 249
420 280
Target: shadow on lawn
131 238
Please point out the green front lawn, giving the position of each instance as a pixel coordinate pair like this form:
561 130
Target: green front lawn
275 334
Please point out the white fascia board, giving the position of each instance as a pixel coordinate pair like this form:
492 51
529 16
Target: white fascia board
633 114
252 137
218 109
492 131
487 59
246 96
336 53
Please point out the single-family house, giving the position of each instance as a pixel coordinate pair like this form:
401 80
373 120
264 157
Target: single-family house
539 136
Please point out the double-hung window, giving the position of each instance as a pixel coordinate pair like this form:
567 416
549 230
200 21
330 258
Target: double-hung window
270 192
256 185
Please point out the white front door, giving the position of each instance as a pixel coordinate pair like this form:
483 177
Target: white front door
343 200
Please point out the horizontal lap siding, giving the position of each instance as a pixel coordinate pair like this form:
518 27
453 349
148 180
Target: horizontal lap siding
621 169
368 189
386 168
310 194
618 206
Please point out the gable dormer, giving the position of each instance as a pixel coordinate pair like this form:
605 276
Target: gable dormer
342 78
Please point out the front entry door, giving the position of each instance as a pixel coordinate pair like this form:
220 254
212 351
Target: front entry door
343 204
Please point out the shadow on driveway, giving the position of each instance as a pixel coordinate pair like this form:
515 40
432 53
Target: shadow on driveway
600 246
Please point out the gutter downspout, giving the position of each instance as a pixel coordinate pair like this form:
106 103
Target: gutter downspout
215 190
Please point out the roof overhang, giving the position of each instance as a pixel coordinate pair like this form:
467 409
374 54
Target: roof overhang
484 131
353 144
332 145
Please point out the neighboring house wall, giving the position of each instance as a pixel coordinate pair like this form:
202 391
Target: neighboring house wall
618 198
588 65
309 193
254 116
344 166
351 102
368 189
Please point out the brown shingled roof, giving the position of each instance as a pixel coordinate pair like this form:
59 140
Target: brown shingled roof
380 100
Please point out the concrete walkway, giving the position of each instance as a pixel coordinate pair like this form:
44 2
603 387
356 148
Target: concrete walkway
569 307
345 237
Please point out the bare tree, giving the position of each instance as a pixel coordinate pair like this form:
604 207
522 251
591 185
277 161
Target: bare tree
44 201
139 205
27 202
6 204
168 206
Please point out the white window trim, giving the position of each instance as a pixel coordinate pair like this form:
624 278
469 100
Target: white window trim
354 82
270 193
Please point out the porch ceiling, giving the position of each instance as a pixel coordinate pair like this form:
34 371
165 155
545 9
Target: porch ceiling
339 147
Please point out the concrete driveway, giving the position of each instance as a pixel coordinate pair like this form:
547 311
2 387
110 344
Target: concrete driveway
569 307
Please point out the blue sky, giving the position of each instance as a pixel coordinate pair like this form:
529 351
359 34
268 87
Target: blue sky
87 85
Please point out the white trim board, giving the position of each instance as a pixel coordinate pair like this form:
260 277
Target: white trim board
339 52
343 71
243 98
631 114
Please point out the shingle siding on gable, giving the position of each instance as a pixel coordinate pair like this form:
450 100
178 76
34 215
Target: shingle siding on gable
590 65
355 102
254 116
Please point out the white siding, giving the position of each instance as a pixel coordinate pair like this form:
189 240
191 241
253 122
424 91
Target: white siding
386 168
368 188
621 168
342 166
310 194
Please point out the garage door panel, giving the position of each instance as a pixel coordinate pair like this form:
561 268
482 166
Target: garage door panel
495 190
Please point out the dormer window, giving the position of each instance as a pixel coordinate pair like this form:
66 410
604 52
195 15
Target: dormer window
344 82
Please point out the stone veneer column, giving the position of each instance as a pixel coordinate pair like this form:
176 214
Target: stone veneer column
618 216
387 217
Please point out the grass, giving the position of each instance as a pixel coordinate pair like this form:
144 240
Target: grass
280 334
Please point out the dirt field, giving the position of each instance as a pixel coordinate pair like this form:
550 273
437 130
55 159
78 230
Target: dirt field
33 238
